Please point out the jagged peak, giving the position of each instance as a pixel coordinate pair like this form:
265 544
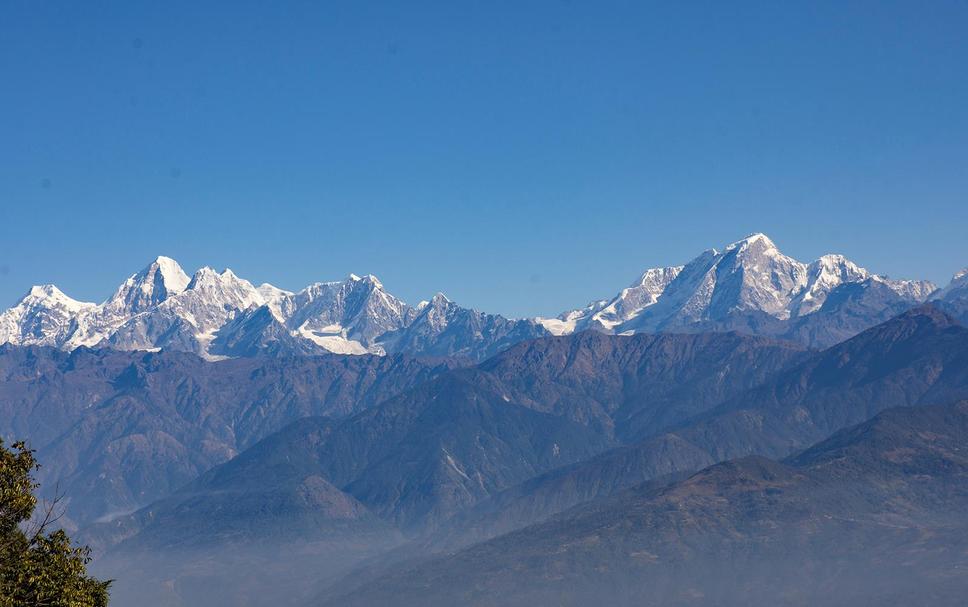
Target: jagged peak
45 291
834 262
205 271
757 238
957 286
164 261
367 279
439 299
833 259
370 278
322 285
656 275
208 276
173 277
210 273
51 294
203 275
271 289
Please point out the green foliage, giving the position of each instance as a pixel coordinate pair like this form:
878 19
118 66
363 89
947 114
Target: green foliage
38 569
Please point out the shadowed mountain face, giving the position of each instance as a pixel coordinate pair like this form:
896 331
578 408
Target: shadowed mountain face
953 299
117 430
268 525
920 357
415 460
386 458
439 448
634 386
873 515
274 491
407 463
337 489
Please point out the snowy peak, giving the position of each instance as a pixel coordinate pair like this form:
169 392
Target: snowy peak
368 279
744 285
915 290
211 299
154 284
50 296
43 316
162 307
749 285
348 316
172 277
278 301
822 277
836 268
759 243
158 281
437 313
439 299
632 300
958 287
752 274
223 288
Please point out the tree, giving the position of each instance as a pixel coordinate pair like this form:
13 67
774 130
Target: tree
38 567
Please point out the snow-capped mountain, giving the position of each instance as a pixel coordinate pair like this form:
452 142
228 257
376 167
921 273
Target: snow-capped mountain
953 299
958 287
141 292
440 327
218 314
603 315
44 316
348 316
188 320
750 285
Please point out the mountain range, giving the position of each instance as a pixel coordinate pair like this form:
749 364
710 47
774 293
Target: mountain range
871 515
480 452
120 429
750 286
745 429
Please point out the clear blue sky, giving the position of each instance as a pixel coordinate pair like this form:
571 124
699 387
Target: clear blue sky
522 157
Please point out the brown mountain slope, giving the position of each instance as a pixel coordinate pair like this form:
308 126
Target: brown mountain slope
873 515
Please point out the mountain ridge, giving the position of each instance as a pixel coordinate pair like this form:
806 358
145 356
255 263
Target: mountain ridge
749 286
871 515
748 277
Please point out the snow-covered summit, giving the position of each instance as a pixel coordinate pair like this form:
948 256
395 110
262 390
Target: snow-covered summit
158 281
49 294
958 287
749 278
163 307
748 285
759 241
43 316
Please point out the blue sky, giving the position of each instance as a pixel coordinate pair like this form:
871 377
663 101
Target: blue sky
522 157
